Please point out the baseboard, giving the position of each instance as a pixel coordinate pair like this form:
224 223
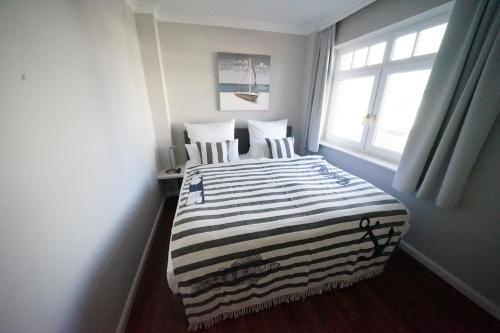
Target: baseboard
122 324
451 279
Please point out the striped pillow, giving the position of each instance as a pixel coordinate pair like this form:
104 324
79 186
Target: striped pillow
280 148
214 152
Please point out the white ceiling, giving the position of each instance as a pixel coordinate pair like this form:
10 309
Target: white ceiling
291 16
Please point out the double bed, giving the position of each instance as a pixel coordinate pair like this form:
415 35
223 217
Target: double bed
253 233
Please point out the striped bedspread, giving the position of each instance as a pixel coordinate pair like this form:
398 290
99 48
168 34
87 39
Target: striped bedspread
252 234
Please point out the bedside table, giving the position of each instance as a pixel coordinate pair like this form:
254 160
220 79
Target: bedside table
163 175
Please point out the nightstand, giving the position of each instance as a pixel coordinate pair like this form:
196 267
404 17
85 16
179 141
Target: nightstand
163 175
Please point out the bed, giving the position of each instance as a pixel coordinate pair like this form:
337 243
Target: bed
268 231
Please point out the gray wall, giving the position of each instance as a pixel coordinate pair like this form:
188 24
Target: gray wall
78 192
379 14
464 241
190 63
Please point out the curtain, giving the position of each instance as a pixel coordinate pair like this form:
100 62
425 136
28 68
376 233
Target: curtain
459 106
322 72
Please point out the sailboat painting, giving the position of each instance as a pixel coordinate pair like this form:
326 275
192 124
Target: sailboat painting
244 81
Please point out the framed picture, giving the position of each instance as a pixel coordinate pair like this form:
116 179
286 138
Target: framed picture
244 81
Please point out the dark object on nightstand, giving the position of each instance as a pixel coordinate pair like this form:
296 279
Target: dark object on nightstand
171 171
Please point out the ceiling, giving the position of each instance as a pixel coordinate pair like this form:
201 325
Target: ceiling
290 16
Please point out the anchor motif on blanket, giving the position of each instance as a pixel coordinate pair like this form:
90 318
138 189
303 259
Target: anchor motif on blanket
196 194
378 249
324 171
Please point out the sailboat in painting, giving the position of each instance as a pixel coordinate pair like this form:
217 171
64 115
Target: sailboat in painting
253 91
244 81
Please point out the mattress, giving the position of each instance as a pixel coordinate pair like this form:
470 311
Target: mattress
251 234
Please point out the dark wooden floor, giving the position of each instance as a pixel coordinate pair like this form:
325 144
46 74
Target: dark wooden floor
407 297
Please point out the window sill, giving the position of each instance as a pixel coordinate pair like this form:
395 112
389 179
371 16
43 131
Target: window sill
372 159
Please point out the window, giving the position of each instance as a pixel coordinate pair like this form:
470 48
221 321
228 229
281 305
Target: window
378 86
398 108
351 102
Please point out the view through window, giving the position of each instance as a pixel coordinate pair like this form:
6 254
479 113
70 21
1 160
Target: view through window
378 87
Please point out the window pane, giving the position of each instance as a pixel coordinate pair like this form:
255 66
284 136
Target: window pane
348 107
429 40
345 61
403 47
360 57
376 54
402 95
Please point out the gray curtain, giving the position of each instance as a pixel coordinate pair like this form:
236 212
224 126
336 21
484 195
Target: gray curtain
322 72
459 106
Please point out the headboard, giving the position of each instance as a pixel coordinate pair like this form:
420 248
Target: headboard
243 138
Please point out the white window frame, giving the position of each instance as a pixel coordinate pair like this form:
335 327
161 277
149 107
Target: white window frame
355 73
380 72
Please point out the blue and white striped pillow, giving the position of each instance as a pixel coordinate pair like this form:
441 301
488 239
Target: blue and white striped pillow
280 148
214 152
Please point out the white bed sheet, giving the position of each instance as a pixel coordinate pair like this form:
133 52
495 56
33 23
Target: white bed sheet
170 269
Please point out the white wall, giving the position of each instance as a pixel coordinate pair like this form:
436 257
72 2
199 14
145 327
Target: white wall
78 192
190 63
147 33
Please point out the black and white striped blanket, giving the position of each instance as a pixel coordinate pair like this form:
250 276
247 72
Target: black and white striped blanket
252 234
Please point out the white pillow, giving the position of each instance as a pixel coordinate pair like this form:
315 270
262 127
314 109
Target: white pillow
260 130
195 158
194 155
233 152
211 132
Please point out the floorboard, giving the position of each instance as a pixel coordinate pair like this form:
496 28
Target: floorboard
407 297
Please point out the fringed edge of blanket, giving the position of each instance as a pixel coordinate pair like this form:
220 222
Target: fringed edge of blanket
291 297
